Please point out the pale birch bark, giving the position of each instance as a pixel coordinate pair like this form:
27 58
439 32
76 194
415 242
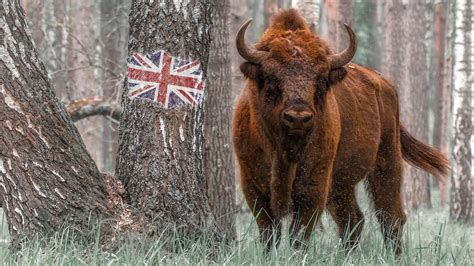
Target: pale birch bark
461 201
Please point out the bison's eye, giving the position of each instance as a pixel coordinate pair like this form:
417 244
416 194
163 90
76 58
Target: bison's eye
321 89
272 90
322 83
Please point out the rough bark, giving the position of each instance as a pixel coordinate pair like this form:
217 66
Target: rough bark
461 204
310 9
161 150
218 164
47 177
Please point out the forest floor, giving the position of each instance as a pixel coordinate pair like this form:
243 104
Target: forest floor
429 239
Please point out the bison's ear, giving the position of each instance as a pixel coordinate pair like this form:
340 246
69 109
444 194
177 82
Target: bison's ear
250 70
337 75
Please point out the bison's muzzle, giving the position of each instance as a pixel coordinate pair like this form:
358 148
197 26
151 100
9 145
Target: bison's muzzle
297 122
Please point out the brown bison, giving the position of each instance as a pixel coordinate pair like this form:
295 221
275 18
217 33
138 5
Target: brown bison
309 126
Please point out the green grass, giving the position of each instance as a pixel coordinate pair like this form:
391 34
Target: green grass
429 239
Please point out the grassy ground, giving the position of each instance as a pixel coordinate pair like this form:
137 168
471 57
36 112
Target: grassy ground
428 240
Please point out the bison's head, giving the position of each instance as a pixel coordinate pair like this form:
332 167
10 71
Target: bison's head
292 70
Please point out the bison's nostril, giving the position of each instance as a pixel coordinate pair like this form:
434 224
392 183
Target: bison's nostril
297 119
288 117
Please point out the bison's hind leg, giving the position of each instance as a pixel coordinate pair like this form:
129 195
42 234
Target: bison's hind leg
384 186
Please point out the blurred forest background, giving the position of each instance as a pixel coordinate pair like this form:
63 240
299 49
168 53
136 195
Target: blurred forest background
84 46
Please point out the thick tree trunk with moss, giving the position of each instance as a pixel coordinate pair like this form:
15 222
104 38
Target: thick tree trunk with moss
47 178
218 164
161 150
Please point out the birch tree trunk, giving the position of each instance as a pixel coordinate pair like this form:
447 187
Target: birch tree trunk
218 164
461 205
47 178
161 150
310 9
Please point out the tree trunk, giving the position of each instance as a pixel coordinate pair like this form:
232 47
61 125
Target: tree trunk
310 9
335 13
161 150
218 164
461 205
443 79
414 111
47 178
395 58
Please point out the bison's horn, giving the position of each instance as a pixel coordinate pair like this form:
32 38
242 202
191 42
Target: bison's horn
341 59
246 52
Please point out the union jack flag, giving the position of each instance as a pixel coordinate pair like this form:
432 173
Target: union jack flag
165 79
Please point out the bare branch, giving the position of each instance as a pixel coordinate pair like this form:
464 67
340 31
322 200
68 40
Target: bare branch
84 108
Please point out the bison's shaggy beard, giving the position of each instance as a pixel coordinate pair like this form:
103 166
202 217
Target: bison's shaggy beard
294 147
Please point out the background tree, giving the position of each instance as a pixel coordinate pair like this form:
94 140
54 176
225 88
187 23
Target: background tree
46 175
443 27
160 156
311 10
83 45
335 13
405 64
218 163
461 204
414 100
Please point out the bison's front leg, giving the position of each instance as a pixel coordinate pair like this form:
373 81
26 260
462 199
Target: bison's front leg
269 227
259 202
283 175
310 202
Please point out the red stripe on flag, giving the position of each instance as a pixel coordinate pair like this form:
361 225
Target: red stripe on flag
185 94
186 67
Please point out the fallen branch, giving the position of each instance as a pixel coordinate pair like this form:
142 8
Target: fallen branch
84 108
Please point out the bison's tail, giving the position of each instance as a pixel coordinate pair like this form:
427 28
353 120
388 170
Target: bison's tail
423 156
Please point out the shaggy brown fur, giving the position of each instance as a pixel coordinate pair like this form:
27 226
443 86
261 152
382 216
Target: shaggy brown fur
305 135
